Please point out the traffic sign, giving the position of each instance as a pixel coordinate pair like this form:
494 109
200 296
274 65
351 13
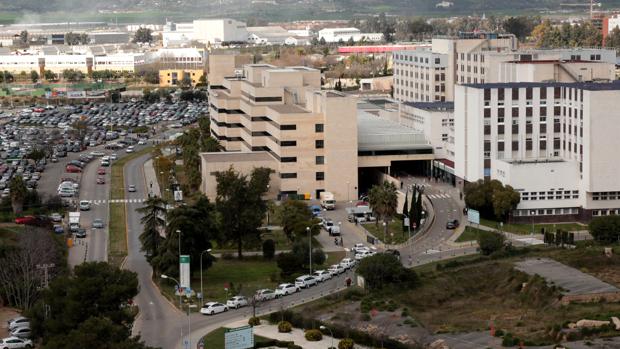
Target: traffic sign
239 338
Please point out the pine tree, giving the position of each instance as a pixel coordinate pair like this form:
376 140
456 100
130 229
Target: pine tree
412 213
405 209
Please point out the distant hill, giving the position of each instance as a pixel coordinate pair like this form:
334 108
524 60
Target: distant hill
276 10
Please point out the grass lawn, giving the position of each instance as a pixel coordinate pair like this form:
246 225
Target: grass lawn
118 223
470 234
527 228
395 227
8 234
215 339
278 236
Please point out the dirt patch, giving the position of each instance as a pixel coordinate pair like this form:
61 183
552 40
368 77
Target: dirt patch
5 315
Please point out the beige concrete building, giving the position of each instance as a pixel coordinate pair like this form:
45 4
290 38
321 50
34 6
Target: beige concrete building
279 118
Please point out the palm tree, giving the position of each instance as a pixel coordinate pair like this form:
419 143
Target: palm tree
18 194
383 200
154 219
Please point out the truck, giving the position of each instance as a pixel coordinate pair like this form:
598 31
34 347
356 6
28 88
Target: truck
74 221
327 200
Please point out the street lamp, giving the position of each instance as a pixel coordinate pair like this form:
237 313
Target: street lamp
323 328
202 294
164 276
309 248
341 234
532 213
384 230
179 236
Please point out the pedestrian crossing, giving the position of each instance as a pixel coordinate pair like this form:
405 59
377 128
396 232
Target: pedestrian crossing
438 196
115 201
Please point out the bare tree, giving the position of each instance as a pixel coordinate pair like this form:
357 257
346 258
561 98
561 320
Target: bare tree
20 278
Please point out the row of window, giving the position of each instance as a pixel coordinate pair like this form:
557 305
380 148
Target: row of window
319 176
415 59
545 212
606 195
558 92
606 212
550 195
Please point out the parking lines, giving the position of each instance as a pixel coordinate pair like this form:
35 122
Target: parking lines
116 201
438 196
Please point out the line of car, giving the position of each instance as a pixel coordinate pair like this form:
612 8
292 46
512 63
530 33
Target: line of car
285 289
20 333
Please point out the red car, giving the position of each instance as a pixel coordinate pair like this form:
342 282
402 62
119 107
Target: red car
101 171
25 220
73 169
100 180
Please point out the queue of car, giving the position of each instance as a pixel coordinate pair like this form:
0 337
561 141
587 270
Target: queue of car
20 333
282 290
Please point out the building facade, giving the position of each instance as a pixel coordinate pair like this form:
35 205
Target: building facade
552 142
281 117
176 77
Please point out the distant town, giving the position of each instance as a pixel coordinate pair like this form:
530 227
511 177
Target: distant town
378 180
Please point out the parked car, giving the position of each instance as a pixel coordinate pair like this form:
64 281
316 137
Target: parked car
73 169
58 229
21 332
357 248
20 321
56 217
364 254
393 252
101 171
100 180
452 224
211 308
98 223
237 302
132 188
286 289
15 343
322 275
336 269
25 220
347 263
84 205
265 295
80 233
305 281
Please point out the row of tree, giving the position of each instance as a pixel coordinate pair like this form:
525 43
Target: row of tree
559 238
194 141
413 211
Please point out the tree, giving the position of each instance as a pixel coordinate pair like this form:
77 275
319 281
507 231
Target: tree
95 289
298 259
20 279
143 35
605 228
152 77
491 198
295 217
383 200
153 219
36 154
269 249
23 37
613 39
384 269
322 41
240 203
34 76
520 26
50 75
18 194
490 242
406 209
72 38
72 75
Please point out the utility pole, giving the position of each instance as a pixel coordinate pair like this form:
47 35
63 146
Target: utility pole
46 282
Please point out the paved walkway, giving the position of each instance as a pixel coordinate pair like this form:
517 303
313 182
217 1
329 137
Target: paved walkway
296 335
151 178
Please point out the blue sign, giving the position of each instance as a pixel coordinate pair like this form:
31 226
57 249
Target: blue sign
473 216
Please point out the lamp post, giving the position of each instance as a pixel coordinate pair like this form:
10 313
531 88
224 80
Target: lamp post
323 328
532 214
348 194
179 236
309 249
341 234
202 294
164 276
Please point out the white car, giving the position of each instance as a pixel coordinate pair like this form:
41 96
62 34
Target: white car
336 269
211 308
237 302
305 281
15 343
142 142
286 289
129 149
84 205
21 332
19 321
364 254
97 153
56 217
347 263
113 156
322 275
265 295
359 248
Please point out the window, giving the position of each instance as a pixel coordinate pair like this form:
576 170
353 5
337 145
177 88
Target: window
288 127
318 128
288 159
320 160
288 143
288 175
319 144
320 176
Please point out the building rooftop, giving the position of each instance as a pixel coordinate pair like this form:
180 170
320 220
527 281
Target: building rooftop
589 86
435 106
376 133
287 108
238 156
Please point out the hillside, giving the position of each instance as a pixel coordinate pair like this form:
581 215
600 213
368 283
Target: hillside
266 9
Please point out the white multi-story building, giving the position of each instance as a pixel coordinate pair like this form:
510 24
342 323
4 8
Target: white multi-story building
422 75
206 31
346 34
553 142
86 63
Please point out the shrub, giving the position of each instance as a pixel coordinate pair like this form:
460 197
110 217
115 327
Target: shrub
365 317
313 335
284 327
346 343
269 249
490 242
254 321
499 333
